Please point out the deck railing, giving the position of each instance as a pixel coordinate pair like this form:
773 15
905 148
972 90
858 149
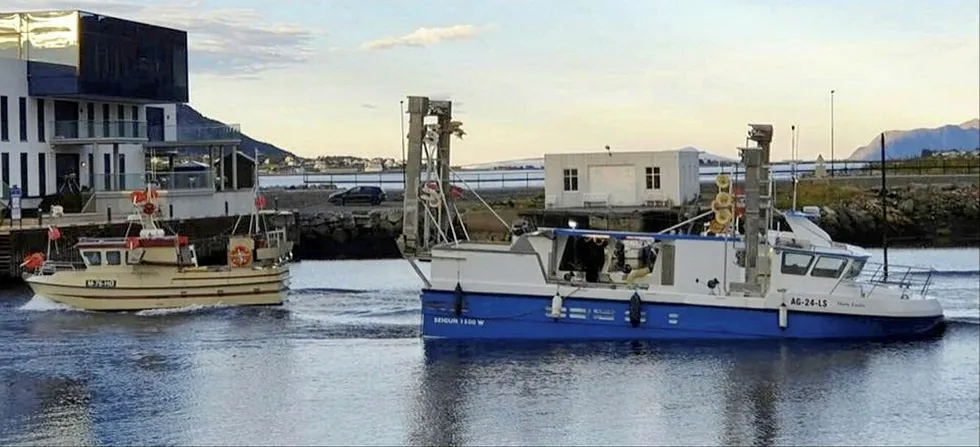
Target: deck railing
912 280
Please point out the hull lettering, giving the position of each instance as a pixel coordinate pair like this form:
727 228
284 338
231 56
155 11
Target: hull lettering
808 302
459 321
100 283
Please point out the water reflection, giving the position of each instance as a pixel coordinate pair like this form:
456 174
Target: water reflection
640 393
53 411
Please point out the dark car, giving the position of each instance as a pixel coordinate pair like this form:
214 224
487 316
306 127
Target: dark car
371 195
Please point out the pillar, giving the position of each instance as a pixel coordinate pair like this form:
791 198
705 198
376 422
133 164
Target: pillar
234 168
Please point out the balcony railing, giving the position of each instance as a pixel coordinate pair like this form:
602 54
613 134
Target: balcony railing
190 134
99 130
196 180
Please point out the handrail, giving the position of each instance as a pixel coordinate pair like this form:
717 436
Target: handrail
909 278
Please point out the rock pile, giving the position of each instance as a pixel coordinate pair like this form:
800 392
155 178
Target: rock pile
916 215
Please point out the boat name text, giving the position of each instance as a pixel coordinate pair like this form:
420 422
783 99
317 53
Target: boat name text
100 283
808 302
454 320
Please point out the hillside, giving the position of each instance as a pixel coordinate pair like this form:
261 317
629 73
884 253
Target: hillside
902 144
187 116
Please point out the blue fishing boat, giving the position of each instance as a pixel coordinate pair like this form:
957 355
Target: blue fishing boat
780 277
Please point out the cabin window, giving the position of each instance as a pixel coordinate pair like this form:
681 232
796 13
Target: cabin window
796 263
653 177
856 266
113 258
828 267
93 257
571 179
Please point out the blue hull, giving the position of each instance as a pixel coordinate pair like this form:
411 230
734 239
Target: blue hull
521 317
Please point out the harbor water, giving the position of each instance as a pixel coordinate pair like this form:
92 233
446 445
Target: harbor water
341 363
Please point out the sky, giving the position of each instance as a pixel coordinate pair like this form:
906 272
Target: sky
529 77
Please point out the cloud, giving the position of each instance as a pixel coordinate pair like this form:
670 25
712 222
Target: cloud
424 37
234 42
370 106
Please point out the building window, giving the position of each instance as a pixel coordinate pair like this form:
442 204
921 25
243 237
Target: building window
135 117
106 172
91 170
5 161
653 178
571 179
40 120
42 175
4 120
90 112
24 179
120 117
22 108
105 121
122 172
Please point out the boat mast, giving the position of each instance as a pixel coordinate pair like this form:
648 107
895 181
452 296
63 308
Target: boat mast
756 171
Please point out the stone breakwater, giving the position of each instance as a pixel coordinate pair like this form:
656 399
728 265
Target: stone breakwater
916 216
368 234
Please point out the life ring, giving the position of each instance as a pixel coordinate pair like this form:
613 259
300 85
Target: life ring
723 199
239 256
149 208
723 181
33 261
138 197
723 216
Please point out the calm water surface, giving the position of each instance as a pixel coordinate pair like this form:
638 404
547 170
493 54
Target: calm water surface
341 363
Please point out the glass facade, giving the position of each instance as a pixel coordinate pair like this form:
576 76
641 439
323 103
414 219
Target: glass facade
80 54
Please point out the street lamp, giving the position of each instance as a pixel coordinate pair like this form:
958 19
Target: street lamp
832 132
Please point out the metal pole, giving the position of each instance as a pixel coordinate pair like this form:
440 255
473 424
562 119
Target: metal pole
884 209
832 133
401 115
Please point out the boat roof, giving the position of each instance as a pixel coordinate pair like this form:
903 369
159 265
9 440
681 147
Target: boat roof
131 242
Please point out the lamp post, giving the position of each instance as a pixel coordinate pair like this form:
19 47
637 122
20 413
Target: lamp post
832 133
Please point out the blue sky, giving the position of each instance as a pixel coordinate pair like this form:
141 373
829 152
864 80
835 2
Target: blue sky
530 77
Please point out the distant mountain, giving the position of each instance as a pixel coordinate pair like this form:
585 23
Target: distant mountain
538 163
900 144
187 116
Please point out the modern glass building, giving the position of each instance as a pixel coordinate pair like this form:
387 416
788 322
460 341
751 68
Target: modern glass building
77 54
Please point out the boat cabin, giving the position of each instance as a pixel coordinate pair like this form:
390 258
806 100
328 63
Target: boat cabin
164 250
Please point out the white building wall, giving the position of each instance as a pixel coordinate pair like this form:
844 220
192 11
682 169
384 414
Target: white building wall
13 86
678 178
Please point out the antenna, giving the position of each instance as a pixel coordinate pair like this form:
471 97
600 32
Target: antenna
793 152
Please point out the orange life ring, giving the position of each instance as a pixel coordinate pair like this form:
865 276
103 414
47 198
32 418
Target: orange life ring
239 256
138 197
33 261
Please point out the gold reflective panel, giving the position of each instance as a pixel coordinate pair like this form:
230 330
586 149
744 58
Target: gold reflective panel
11 35
53 37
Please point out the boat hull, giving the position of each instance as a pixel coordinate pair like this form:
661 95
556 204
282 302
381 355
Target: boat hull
164 290
526 317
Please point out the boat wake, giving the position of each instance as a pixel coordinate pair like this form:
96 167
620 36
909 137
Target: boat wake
192 309
39 303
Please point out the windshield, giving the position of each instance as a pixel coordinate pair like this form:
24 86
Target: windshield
855 269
